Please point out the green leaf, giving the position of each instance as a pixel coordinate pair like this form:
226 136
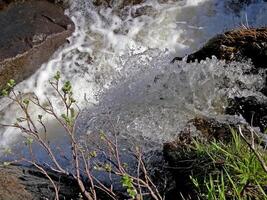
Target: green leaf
40 117
4 93
72 100
11 83
57 76
72 113
93 154
108 167
67 87
29 141
26 101
67 120
127 182
19 119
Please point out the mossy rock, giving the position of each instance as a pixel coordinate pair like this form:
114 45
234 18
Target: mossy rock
236 45
183 161
253 109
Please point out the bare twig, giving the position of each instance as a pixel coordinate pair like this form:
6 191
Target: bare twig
254 150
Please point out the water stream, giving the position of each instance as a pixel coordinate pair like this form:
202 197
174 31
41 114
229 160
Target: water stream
118 61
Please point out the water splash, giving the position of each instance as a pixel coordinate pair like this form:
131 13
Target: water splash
152 100
117 52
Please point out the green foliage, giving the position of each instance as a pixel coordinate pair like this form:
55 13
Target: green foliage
26 102
57 76
29 141
237 172
66 118
67 87
40 117
9 86
108 167
93 154
127 182
29 125
11 83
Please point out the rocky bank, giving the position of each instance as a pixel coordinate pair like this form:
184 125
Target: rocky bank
32 31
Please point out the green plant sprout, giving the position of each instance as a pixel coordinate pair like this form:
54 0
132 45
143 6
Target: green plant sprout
83 161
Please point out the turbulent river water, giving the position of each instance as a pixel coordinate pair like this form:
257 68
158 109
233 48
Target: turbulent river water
118 60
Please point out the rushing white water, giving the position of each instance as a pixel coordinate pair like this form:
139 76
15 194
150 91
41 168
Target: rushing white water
118 61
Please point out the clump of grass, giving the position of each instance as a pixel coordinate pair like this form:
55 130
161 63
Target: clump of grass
238 170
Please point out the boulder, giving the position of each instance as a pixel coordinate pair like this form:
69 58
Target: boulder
28 183
5 3
119 4
253 109
237 5
11 187
263 90
236 45
31 32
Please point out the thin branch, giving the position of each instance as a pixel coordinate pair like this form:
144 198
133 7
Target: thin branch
253 149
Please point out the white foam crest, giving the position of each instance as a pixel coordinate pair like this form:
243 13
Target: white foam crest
104 36
97 56
152 103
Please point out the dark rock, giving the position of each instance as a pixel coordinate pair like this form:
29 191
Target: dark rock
236 45
11 187
125 3
263 90
144 10
125 8
211 128
5 3
27 183
31 32
119 4
102 2
237 5
253 109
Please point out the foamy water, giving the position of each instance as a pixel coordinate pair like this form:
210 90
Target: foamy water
119 63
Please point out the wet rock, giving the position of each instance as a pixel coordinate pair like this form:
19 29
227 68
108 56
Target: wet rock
144 10
119 4
31 32
11 187
2 4
5 3
264 90
27 183
208 128
126 8
253 109
236 45
237 5
214 128
125 3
